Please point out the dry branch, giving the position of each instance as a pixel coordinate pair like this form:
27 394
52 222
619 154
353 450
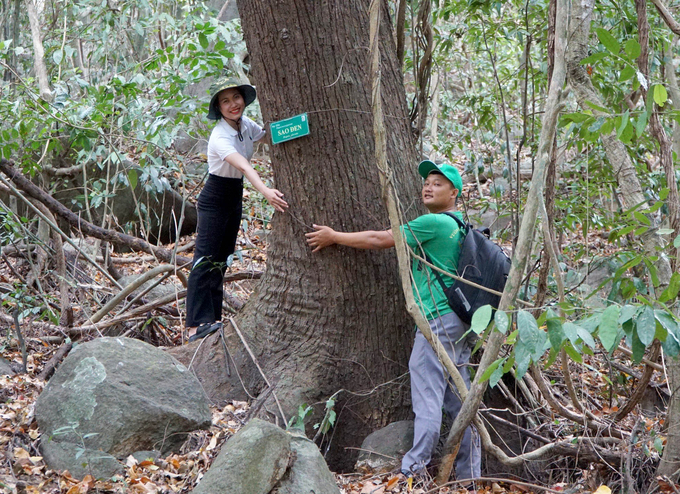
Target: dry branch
61 266
54 361
139 281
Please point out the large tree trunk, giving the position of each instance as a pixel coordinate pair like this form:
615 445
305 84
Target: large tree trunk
320 323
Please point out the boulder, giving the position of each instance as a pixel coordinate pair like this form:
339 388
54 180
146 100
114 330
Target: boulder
5 368
113 397
382 451
262 458
309 473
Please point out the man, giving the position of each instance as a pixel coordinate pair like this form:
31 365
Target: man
438 237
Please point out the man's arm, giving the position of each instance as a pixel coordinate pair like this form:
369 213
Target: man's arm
325 236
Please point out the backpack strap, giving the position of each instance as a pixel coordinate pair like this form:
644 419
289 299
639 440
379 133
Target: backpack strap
427 258
458 220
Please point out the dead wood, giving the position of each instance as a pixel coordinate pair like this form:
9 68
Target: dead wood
37 268
661 386
54 361
20 338
588 420
44 327
526 432
116 238
148 275
63 172
58 245
53 225
641 387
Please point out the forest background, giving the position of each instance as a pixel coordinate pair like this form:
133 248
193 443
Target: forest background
103 108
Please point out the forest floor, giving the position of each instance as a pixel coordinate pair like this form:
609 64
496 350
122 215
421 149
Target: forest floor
22 469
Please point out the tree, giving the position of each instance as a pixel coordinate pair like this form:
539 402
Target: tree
335 320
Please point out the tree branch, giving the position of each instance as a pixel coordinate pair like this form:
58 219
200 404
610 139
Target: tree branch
667 17
119 239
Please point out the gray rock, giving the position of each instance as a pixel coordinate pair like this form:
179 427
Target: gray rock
251 462
112 397
309 473
80 461
262 458
230 13
383 450
490 218
5 368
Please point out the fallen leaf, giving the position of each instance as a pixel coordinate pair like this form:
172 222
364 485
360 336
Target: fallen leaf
603 489
21 453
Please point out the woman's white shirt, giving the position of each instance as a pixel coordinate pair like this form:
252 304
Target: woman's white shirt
224 141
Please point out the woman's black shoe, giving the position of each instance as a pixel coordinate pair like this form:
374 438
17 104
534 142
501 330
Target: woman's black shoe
205 329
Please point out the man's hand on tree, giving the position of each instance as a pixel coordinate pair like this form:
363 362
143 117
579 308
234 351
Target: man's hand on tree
322 237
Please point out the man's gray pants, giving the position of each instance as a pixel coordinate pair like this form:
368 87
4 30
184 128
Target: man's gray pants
430 391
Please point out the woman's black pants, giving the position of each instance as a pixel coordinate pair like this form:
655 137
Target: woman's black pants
219 218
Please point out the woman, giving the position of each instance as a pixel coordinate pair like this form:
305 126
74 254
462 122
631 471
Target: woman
220 203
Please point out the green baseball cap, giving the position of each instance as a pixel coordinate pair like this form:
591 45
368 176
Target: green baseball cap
248 92
450 172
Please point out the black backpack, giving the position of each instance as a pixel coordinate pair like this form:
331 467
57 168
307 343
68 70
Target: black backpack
482 262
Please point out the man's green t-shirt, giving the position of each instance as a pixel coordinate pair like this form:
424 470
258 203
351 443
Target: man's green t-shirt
440 237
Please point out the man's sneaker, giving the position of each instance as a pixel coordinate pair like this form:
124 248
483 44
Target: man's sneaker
205 329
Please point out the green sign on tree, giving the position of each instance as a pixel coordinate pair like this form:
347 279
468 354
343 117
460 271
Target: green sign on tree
291 128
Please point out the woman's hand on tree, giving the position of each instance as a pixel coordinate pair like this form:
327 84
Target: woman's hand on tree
275 198
322 237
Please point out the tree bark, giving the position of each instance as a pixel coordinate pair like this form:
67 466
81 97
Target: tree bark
334 320
658 131
670 461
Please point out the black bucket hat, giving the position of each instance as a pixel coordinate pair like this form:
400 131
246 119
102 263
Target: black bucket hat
248 92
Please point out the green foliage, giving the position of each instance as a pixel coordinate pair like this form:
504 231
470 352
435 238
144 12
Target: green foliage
122 90
481 319
298 421
329 417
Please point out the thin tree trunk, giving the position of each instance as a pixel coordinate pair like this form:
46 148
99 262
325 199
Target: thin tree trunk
520 256
39 52
542 285
673 90
400 28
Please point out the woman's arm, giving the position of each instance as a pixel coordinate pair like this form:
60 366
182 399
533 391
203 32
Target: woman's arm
325 236
273 196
